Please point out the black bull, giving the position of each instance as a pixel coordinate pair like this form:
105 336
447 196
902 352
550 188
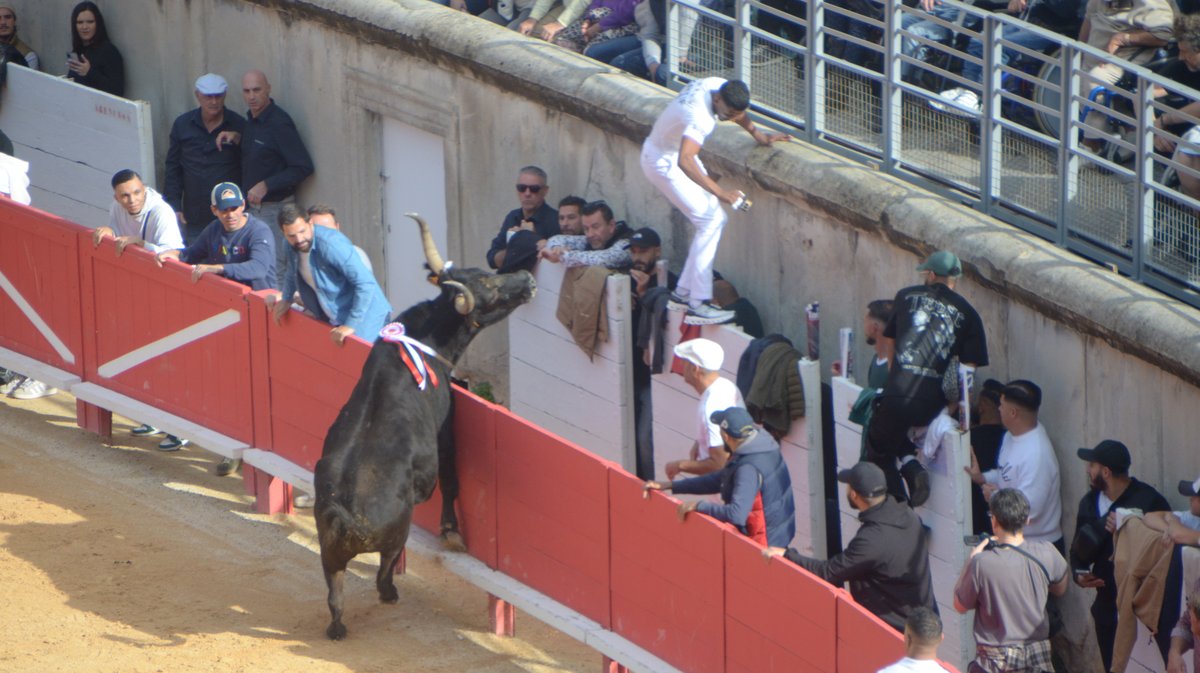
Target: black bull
393 442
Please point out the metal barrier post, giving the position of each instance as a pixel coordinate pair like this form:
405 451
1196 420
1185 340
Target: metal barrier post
990 130
742 45
1143 198
814 69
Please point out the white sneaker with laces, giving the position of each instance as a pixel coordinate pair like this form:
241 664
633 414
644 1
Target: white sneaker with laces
10 387
707 314
958 101
32 389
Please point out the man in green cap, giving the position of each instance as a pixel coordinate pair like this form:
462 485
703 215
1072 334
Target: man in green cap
931 325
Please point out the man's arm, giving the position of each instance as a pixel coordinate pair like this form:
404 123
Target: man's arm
741 501
360 280
262 258
689 149
162 231
616 257
855 561
706 484
759 137
717 457
499 248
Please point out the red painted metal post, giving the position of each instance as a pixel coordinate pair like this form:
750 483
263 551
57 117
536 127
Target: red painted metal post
502 617
271 495
94 419
611 666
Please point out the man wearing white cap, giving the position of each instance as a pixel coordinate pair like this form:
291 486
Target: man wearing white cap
702 371
1182 527
196 160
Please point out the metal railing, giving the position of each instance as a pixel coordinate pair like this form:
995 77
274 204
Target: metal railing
868 88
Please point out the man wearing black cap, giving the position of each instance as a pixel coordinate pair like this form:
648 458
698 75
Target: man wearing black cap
645 249
931 324
757 467
887 562
1112 488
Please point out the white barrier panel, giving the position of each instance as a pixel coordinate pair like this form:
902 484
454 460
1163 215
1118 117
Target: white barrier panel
74 138
675 420
553 383
947 513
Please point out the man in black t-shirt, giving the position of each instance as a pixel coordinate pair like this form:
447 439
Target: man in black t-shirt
932 324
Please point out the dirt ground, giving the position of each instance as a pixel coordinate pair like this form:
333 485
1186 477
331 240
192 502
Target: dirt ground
124 558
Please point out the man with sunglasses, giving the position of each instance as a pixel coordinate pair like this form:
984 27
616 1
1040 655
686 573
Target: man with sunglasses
534 217
671 163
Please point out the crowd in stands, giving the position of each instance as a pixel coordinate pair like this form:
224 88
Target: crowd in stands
228 207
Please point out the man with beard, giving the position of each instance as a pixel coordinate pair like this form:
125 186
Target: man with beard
8 36
1091 552
604 241
645 248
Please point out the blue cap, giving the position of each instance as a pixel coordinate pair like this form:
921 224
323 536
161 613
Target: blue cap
735 421
227 195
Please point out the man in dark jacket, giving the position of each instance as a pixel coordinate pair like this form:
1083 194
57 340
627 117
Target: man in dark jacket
887 562
756 469
1092 550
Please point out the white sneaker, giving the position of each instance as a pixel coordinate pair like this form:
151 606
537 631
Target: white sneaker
707 314
32 389
13 383
957 102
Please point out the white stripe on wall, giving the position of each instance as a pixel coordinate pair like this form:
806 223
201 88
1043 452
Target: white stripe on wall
169 343
56 343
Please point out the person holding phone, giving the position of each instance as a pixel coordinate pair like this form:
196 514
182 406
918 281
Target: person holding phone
93 60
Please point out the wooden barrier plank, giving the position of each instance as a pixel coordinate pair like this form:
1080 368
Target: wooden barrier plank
553 516
864 642
778 617
662 598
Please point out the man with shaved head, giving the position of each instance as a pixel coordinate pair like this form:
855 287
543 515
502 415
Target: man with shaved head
274 159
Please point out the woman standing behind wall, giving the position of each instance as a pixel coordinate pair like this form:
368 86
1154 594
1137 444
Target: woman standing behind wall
94 61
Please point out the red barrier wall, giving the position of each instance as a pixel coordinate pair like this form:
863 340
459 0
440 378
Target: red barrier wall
38 257
668 578
864 641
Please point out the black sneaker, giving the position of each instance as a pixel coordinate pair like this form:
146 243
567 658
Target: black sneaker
172 443
677 302
916 478
145 430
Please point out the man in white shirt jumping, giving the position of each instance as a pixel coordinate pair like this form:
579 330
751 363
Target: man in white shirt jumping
670 161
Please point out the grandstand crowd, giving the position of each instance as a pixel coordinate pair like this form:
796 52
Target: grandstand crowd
228 206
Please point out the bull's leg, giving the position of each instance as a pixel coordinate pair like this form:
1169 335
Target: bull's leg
384 583
335 573
448 480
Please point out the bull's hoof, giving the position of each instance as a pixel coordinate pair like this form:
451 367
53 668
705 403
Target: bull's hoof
389 595
453 541
336 631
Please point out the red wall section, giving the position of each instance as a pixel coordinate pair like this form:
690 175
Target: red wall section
667 578
136 303
552 508
475 439
39 255
777 616
864 642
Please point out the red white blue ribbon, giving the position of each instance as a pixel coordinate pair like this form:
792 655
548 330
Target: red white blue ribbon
395 333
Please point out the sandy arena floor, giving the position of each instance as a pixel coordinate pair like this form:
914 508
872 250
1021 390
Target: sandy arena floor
125 559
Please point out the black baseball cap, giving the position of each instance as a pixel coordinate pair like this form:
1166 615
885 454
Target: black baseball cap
1189 488
865 478
645 238
735 421
1110 453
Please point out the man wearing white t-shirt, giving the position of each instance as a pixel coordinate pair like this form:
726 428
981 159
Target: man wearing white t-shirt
139 216
922 635
1027 463
1182 527
671 163
703 359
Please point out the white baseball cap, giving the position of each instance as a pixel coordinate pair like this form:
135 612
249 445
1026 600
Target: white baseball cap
703 353
211 85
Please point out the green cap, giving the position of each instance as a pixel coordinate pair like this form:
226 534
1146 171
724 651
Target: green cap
942 263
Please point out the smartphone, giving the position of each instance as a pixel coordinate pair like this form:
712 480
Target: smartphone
71 56
973 540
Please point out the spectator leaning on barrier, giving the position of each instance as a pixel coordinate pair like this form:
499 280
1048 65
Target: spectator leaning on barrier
931 324
94 60
755 486
570 215
1006 581
324 216
645 249
201 154
547 17
605 241
1092 549
534 217
887 562
701 370
8 36
1185 635
922 636
1027 463
139 216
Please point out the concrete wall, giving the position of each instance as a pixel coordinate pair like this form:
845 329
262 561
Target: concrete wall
1115 360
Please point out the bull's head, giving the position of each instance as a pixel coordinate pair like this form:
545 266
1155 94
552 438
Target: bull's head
482 298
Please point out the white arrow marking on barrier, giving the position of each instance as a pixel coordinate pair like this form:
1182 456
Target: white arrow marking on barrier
56 343
169 343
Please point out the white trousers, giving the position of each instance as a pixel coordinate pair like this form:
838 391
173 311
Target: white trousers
704 211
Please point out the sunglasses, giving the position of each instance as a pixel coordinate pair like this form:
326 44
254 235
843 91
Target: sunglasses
532 189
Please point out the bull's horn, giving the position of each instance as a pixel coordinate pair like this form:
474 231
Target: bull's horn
432 256
464 303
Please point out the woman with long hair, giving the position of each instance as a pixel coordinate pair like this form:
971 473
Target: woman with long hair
94 61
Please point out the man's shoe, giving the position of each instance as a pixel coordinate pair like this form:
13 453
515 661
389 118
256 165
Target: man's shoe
677 302
12 385
303 500
228 466
960 102
916 477
172 443
32 389
707 314
145 430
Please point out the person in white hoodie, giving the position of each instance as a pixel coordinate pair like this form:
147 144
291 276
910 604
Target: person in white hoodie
1027 463
139 216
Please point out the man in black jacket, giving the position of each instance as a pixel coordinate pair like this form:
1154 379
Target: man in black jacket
887 562
1112 488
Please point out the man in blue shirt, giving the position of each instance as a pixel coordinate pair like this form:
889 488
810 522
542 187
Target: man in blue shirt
333 282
